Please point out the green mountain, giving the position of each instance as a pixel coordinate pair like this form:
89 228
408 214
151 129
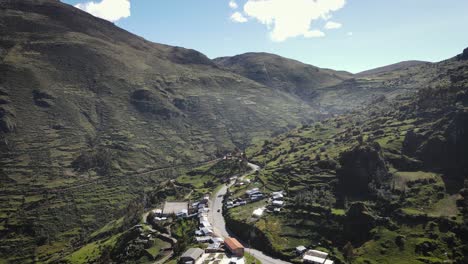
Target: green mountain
283 74
86 108
335 92
386 183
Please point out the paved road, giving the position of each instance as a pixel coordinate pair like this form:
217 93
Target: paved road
219 225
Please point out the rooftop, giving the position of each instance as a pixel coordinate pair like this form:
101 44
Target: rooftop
174 207
232 243
193 253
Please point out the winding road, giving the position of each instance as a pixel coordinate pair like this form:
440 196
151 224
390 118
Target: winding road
219 225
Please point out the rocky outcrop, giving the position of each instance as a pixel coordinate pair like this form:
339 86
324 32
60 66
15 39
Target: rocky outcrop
359 222
7 113
360 167
43 99
7 119
412 142
464 55
448 149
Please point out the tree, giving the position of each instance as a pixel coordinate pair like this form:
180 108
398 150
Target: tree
348 252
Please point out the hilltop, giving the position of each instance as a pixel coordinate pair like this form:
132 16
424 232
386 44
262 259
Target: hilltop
283 74
392 67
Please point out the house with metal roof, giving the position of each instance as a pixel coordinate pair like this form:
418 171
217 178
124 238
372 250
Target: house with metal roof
234 246
191 255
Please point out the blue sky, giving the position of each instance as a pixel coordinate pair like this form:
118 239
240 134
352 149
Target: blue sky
352 35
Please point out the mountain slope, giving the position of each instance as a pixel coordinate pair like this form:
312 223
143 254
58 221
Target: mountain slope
86 108
283 74
359 91
388 180
391 67
335 92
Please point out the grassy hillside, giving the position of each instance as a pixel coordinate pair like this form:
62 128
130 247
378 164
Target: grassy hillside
392 67
86 109
283 74
385 183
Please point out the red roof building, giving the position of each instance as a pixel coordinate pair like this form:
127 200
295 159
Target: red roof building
234 246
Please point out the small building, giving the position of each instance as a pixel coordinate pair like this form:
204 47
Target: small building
217 240
252 191
300 250
278 203
205 224
277 196
316 257
203 239
213 248
206 231
234 246
237 261
175 208
191 255
158 212
182 213
258 212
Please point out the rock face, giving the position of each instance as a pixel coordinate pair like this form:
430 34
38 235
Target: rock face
359 221
448 150
464 55
43 99
412 142
361 166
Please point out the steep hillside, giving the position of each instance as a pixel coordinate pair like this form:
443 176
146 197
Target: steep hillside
392 67
335 92
386 183
283 74
87 108
358 91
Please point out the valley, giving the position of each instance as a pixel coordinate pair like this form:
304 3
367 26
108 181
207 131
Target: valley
99 126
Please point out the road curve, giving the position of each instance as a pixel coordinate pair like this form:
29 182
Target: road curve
219 225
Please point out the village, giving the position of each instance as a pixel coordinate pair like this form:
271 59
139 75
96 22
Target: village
217 247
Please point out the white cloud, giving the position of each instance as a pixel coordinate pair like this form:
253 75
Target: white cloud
238 17
333 25
349 34
291 18
314 34
111 10
233 4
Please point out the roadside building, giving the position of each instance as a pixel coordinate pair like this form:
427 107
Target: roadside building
206 231
191 255
213 248
316 257
278 203
234 246
300 250
203 239
217 240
